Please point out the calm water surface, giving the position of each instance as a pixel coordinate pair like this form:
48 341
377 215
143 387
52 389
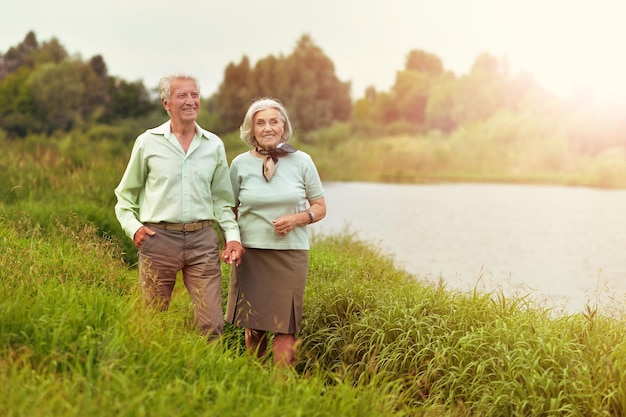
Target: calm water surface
565 247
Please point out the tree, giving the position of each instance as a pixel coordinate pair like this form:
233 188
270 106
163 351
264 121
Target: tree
17 104
316 96
424 62
42 90
50 51
58 93
266 80
233 95
440 101
18 56
30 54
126 99
304 81
99 67
363 117
482 92
407 102
411 91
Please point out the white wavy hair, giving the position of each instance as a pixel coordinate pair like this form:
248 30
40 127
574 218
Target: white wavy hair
246 131
165 83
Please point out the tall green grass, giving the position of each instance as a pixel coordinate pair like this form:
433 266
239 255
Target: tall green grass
468 353
75 341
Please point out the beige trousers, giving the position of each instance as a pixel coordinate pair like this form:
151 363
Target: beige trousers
196 254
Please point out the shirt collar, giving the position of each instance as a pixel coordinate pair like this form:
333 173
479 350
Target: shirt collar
165 130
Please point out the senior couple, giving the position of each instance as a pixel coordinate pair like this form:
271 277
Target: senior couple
177 192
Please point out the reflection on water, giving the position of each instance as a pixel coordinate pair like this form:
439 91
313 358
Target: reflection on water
563 246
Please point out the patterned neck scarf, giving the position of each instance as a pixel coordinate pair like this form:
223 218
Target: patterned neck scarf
271 158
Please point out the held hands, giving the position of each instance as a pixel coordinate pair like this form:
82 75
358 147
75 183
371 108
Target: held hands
233 252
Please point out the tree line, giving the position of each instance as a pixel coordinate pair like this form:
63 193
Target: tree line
44 90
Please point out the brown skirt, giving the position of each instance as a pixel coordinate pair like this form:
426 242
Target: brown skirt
267 289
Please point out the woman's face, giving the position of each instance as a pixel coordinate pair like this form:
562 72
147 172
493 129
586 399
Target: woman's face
268 128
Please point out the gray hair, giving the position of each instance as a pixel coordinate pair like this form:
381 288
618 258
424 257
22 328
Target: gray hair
246 131
165 83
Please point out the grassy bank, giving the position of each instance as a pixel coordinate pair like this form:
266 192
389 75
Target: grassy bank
75 341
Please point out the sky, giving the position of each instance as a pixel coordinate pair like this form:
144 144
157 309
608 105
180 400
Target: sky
571 47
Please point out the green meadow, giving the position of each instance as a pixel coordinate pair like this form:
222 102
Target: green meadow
75 339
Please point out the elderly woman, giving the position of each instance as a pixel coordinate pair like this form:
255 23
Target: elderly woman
278 192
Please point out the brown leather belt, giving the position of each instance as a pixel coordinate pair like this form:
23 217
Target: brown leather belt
182 227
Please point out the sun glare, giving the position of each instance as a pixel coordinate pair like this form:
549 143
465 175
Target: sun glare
573 48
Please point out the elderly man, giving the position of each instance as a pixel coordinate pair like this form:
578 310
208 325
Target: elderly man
176 187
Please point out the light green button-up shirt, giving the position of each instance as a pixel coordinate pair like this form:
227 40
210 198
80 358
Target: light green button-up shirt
162 183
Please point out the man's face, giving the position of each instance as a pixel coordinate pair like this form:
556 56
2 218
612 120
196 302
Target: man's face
184 101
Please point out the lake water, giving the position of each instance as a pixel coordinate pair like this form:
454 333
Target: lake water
562 246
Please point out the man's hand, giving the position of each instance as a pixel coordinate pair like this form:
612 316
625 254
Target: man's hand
140 235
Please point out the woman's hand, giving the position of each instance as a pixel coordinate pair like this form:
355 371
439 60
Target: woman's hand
285 224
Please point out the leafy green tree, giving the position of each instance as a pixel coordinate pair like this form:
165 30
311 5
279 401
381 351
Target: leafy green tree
49 51
68 94
363 117
125 99
304 81
58 93
267 80
407 102
99 67
233 95
16 93
440 101
19 56
316 97
17 104
425 63
482 92
29 53
411 92
42 90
